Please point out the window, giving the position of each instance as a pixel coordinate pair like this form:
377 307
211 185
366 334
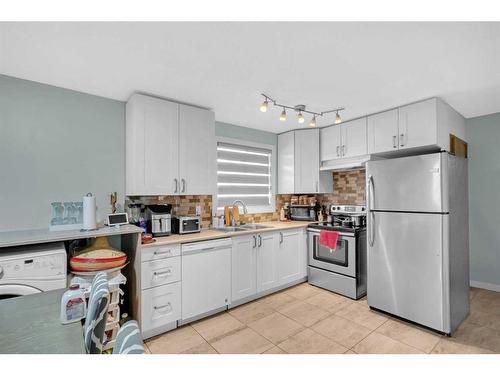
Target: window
245 172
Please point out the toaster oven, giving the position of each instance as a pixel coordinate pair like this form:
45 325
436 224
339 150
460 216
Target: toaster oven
186 224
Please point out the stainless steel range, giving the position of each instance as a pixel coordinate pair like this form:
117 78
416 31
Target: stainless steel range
342 270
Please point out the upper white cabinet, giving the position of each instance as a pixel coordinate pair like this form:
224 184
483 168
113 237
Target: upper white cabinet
197 151
298 164
425 125
345 140
383 132
307 161
152 147
170 148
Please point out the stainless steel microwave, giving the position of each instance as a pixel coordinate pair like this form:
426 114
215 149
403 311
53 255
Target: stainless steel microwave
305 213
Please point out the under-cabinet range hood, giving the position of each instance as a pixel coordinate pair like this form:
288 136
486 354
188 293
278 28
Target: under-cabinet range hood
342 164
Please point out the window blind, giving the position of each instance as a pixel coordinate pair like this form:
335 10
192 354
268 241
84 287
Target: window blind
243 173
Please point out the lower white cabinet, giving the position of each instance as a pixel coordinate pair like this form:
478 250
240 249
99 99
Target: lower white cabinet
160 306
160 272
267 261
290 256
243 267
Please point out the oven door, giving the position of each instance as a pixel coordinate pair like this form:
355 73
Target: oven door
342 260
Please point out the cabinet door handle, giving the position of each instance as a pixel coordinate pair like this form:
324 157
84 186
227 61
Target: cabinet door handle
343 150
161 273
260 241
394 141
183 185
162 306
254 242
338 150
401 140
176 183
317 187
162 252
281 237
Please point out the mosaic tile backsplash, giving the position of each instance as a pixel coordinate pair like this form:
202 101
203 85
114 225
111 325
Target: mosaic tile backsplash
348 187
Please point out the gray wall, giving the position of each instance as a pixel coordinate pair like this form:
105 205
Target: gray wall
247 134
56 145
483 135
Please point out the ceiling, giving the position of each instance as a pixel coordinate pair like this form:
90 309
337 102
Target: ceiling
366 67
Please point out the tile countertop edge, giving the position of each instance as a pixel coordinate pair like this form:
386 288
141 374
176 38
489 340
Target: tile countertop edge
36 236
213 234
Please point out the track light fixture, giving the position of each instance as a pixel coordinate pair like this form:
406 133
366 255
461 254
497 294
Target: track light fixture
300 109
283 115
312 124
263 106
338 119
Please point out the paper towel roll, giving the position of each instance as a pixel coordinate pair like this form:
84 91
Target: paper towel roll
89 208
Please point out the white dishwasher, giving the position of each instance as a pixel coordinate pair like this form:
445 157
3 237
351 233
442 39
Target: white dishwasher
206 277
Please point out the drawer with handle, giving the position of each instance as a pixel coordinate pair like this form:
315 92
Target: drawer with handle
160 272
160 252
160 306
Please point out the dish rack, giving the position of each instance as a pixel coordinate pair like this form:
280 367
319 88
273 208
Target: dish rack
115 280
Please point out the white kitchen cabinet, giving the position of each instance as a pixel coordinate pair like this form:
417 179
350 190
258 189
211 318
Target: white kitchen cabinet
290 256
267 261
354 138
197 151
330 142
160 307
152 149
298 164
418 124
425 125
243 267
304 256
307 161
383 132
345 140
286 163
170 148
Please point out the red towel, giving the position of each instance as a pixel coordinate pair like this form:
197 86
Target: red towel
328 239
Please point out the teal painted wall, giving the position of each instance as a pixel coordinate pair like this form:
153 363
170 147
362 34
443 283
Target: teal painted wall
247 134
483 135
56 145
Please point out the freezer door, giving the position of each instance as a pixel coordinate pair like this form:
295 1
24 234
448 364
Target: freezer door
406 184
405 266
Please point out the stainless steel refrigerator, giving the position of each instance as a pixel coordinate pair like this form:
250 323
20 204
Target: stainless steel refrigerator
418 239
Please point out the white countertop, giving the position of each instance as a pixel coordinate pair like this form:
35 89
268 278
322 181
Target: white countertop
35 236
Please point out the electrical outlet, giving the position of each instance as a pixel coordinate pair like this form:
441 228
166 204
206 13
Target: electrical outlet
198 210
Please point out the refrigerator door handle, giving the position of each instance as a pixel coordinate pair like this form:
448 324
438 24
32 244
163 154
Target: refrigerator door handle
371 235
371 192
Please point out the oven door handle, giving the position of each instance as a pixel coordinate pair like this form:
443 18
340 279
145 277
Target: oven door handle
315 232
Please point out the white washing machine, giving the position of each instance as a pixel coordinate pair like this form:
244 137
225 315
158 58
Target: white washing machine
32 269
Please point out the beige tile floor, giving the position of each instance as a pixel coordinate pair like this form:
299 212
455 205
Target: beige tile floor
306 319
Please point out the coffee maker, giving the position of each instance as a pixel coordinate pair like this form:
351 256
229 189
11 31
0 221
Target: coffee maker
159 219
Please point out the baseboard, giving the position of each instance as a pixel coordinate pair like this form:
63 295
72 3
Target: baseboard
488 286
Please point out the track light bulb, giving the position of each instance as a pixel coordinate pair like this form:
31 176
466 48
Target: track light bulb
312 124
338 119
263 106
283 115
300 118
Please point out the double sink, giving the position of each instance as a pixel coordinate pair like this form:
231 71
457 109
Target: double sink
242 228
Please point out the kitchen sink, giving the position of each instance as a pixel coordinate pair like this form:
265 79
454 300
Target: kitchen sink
232 229
254 226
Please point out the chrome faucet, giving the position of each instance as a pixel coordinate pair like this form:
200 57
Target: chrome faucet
245 210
